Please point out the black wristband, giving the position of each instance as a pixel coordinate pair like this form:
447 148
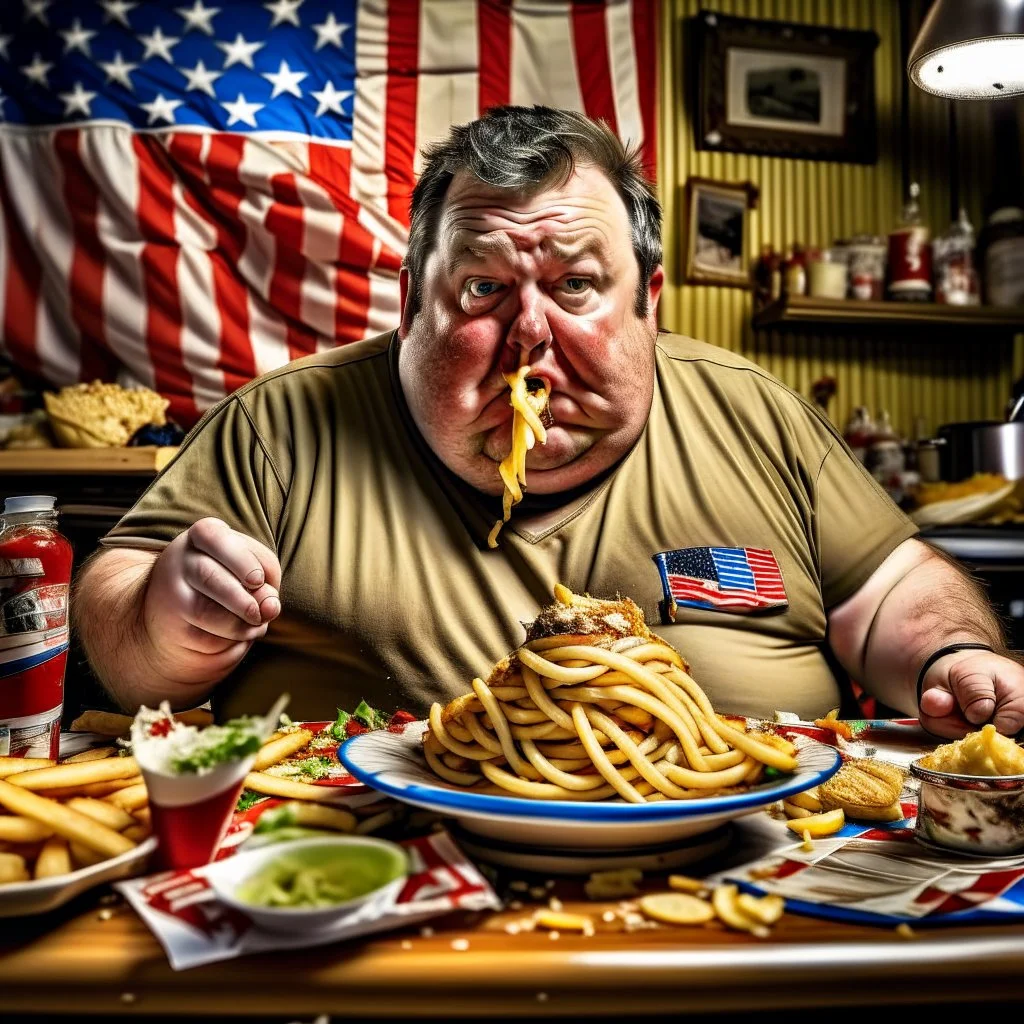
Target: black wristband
941 653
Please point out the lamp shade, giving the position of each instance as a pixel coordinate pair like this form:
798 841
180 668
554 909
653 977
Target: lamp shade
970 50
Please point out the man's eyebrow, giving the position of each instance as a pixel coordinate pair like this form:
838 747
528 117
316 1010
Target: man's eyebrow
478 251
573 251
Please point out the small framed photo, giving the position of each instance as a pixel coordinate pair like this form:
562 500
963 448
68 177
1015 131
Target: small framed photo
716 236
785 89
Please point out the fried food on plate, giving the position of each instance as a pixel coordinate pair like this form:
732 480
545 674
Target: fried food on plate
865 789
596 706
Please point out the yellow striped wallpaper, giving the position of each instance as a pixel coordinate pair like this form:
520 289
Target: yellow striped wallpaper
956 376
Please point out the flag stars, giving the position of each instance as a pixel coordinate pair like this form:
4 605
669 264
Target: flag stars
119 70
37 71
285 80
330 32
199 17
117 10
284 11
77 38
161 108
240 51
78 101
242 110
36 9
201 78
329 98
158 45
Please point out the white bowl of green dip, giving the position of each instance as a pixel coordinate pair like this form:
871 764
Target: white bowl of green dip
308 884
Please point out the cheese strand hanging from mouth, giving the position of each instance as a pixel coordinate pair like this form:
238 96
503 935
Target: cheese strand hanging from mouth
527 429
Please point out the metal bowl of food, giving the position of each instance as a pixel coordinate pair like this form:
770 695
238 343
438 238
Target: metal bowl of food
972 795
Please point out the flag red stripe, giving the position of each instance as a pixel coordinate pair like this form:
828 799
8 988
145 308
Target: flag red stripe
400 116
284 221
590 40
88 265
159 262
495 49
646 16
697 590
21 289
213 189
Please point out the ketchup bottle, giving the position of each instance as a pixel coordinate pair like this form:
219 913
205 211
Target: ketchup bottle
35 576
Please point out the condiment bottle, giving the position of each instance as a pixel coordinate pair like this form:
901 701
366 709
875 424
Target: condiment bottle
35 575
956 279
910 254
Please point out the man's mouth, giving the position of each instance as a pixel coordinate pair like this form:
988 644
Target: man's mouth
540 390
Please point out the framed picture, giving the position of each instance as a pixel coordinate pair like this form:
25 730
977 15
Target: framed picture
716 236
784 89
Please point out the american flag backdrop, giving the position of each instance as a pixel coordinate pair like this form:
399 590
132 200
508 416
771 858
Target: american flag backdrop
193 192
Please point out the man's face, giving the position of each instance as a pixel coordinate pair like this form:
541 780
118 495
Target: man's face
549 278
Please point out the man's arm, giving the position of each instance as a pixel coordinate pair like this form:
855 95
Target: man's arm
169 626
916 602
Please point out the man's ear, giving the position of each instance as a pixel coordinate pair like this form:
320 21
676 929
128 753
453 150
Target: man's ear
654 292
405 290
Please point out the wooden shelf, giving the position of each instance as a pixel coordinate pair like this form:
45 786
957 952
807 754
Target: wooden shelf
803 311
141 461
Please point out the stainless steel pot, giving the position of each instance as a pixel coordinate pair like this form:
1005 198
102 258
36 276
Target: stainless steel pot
983 446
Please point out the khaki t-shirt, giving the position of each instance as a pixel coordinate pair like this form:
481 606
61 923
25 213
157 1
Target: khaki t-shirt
390 593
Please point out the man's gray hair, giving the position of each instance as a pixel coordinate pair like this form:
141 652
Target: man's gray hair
524 149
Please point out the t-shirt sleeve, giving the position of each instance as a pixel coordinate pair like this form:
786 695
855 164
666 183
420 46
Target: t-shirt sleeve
858 524
223 470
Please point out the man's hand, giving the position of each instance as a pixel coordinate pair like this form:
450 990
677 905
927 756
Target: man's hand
964 690
214 591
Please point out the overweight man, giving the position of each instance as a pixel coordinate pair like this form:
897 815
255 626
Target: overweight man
324 529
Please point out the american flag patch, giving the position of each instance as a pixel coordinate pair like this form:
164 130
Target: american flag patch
738 580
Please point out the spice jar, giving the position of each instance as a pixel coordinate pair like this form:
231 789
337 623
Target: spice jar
866 260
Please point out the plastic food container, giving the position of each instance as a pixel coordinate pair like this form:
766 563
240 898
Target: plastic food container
827 277
975 814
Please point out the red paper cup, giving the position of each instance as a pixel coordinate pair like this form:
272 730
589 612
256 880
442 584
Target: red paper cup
191 813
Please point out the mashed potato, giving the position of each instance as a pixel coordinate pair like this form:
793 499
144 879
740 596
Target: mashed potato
987 752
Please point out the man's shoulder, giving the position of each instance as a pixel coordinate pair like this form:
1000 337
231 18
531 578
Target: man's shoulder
335 364
680 354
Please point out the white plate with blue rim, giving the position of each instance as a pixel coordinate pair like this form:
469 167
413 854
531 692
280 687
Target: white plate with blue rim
393 763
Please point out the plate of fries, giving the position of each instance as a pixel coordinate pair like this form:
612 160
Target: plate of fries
394 764
66 827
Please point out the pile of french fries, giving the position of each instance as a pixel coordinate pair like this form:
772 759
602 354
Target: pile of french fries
57 818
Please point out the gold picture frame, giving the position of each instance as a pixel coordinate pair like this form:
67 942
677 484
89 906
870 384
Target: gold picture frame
717 228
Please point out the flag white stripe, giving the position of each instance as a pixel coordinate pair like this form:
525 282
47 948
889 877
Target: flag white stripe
622 60
369 183
447 90
323 226
543 55
109 157
45 219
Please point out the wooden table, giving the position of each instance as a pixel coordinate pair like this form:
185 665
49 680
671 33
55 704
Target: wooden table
82 958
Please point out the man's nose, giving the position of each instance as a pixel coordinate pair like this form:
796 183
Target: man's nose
530 330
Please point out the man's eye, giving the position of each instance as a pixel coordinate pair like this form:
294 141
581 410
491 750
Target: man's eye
482 289
576 285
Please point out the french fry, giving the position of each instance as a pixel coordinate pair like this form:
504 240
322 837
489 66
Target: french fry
683 883
321 816
276 750
102 811
818 825
93 789
17 765
371 824
723 899
794 811
272 785
63 820
807 799
63 775
561 921
15 829
676 908
766 909
93 754
130 799
143 816
136 833
54 858
894 812
83 857
13 868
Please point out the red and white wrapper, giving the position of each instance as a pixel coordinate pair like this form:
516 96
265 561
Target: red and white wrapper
194 928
